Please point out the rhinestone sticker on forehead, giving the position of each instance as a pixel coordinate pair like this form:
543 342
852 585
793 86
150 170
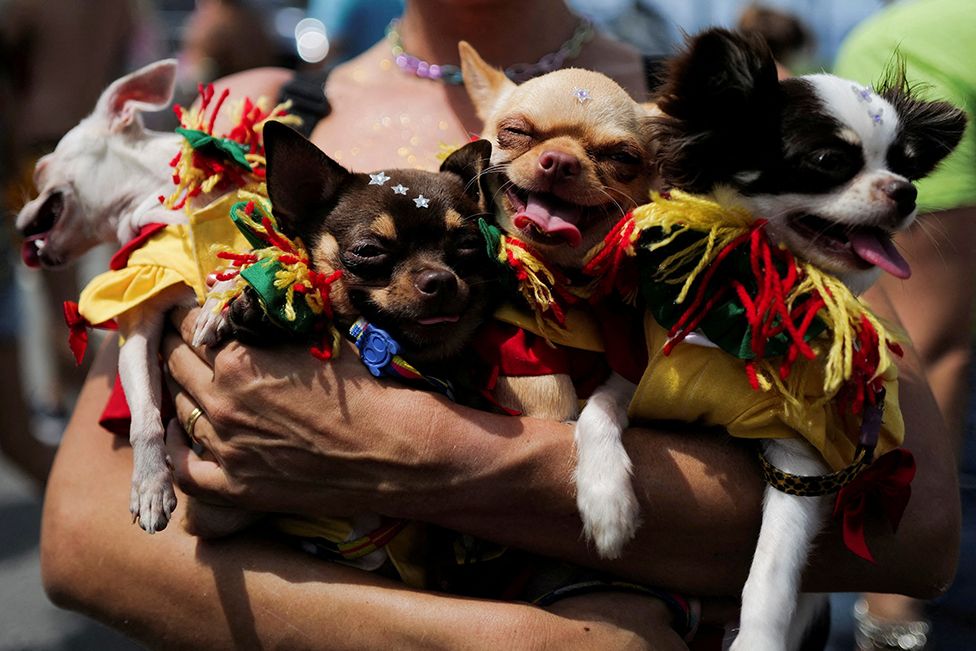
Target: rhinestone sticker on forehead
866 94
582 95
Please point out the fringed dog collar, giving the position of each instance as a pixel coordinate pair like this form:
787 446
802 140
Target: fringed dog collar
709 265
294 296
207 162
545 289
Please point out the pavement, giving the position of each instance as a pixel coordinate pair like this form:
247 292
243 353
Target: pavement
28 621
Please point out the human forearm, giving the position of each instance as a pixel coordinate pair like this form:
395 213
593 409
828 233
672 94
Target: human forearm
919 560
172 590
936 304
411 454
700 497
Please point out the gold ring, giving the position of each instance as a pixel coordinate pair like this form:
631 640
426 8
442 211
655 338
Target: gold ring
191 421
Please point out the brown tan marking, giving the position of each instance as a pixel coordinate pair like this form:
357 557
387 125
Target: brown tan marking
384 226
453 218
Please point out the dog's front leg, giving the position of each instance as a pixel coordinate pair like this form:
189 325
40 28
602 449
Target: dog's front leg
152 498
604 494
789 525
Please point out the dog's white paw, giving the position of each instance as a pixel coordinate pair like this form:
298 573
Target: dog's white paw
152 499
610 513
210 326
604 494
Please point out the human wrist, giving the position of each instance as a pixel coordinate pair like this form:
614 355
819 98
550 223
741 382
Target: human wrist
478 465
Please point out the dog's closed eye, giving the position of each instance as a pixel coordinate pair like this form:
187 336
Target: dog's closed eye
369 259
514 133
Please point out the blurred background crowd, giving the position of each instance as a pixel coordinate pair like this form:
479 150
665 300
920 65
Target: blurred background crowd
44 43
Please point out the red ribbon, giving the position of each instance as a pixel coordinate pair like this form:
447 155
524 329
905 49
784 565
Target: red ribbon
77 330
885 483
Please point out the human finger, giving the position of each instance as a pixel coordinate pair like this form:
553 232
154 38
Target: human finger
196 426
195 475
188 372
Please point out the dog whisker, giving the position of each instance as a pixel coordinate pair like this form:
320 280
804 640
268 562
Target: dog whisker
935 234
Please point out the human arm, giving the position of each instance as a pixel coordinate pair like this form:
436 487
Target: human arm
293 434
936 304
171 590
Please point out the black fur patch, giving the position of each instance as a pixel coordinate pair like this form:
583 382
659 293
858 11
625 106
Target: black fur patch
730 121
930 130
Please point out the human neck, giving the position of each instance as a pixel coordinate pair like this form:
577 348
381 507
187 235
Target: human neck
504 32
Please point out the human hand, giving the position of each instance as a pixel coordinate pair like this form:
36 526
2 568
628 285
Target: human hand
289 433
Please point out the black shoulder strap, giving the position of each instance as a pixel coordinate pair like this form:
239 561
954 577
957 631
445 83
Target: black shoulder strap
307 94
654 65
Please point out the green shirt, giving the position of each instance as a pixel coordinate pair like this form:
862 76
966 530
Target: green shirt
937 39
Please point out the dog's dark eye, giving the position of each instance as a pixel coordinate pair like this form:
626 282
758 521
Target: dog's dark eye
471 246
367 251
514 133
468 255
367 259
624 158
901 161
829 160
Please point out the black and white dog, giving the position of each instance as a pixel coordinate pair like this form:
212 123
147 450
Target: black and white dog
830 165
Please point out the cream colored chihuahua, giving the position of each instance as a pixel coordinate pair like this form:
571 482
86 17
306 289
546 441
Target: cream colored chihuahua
574 149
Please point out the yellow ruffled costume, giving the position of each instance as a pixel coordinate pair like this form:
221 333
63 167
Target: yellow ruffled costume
698 384
707 385
178 254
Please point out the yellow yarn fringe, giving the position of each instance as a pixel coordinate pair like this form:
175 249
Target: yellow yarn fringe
537 287
289 274
191 180
724 220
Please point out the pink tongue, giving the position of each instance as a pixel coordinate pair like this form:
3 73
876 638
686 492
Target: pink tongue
880 251
551 219
28 253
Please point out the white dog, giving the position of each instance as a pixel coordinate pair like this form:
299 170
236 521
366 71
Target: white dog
103 183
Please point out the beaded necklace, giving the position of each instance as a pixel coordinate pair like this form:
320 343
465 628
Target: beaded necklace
519 72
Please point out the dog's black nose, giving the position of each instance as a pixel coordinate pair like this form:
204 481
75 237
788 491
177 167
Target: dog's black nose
559 165
903 194
436 282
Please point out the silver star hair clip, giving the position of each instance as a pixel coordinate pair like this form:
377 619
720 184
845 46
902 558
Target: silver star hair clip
380 178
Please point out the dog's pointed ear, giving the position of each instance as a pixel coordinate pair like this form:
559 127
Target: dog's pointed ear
303 182
484 83
930 129
148 89
719 75
469 163
719 93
